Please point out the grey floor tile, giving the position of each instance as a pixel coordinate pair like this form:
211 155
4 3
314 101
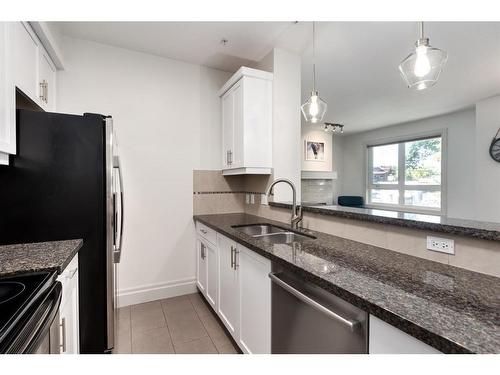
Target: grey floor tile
224 345
218 335
143 319
153 341
199 305
176 305
200 346
123 313
212 325
123 337
153 305
185 327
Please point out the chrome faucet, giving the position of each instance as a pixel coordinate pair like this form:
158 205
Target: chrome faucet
296 211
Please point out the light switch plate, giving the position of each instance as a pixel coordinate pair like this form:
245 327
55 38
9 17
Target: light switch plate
442 245
263 199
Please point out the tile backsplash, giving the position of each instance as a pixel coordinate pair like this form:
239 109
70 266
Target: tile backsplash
315 191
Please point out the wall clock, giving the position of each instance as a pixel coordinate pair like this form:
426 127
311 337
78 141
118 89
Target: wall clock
495 148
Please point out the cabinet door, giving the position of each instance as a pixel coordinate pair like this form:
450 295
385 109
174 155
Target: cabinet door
229 299
255 307
238 148
227 128
46 81
212 275
387 339
24 59
69 322
201 266
7 96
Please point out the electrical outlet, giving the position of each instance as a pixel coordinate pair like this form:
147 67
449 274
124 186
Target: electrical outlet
263 199
252 198
247 198
442 245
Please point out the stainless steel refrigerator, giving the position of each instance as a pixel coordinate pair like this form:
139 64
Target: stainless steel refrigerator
65 182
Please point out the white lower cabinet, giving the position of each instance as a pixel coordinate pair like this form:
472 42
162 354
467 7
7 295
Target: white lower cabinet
201 266
206 270
255 302
386 339
229 285
212 275
68 311
234 280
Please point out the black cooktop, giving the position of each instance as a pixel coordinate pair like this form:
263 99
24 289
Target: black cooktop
17 294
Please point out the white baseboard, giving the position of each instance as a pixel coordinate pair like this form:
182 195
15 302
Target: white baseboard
153 292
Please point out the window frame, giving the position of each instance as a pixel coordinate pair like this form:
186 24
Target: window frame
400 185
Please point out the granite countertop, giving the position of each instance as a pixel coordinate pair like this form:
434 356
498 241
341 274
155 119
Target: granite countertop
449 308
469 228
39 256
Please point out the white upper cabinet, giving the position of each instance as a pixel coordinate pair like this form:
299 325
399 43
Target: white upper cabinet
25 64
247 122
46 82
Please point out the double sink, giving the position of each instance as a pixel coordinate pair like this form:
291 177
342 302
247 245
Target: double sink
273 234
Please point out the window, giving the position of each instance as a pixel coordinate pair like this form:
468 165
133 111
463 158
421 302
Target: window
406 175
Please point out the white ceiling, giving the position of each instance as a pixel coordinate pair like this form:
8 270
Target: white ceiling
194 42
357 70
356 61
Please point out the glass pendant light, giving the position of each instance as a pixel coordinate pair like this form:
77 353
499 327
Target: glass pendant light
421 69
315 108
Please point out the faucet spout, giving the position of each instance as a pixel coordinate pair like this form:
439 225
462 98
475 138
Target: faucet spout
296 217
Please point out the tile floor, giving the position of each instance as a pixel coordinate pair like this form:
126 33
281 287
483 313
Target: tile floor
182 325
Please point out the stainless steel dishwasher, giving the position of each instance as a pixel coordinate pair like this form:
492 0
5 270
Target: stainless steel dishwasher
307 319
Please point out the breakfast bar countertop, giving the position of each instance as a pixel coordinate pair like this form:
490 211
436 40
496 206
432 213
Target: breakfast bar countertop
38 256
451 309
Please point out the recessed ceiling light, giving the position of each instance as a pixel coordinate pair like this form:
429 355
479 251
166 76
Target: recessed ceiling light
224 42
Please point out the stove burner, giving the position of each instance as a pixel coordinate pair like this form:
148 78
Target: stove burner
10 290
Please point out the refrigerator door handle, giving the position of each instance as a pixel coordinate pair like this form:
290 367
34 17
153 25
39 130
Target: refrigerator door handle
118 251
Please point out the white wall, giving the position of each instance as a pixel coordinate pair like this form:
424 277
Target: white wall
487 170
460 158
167 118
286 119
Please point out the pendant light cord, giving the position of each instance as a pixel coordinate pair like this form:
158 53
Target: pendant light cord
421 23
314 57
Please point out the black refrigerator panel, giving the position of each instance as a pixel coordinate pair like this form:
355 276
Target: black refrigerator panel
54 189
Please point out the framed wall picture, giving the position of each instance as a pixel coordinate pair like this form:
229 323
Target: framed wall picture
314 151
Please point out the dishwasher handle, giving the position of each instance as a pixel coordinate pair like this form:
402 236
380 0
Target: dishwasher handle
309 301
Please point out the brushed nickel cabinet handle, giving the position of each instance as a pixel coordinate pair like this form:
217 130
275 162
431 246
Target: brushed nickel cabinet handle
63 331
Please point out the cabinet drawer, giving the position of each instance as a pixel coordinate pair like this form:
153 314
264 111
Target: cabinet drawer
206 232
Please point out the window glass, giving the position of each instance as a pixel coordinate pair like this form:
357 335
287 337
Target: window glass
430 199
409 180
423 162
384 196
385 164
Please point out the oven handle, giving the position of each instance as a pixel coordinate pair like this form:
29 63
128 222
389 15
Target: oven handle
309 301
53 297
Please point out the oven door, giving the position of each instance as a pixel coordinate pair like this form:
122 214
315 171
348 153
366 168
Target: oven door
40 332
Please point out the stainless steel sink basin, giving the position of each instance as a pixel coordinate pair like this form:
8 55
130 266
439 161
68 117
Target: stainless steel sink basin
258 229
271 234
283 237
